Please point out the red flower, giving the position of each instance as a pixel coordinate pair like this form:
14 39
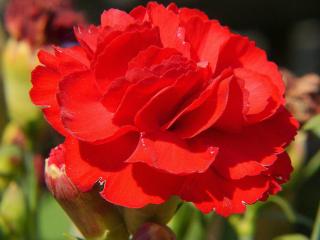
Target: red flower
163 101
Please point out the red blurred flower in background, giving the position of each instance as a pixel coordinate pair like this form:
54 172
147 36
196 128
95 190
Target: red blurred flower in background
42 22
163 101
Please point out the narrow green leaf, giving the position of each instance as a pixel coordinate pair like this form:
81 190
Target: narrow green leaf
316 229
313 125
312 167
291 237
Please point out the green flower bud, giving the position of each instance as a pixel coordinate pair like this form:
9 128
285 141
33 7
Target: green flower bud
94 217
160 214
18 60
10 164
13 135
13 209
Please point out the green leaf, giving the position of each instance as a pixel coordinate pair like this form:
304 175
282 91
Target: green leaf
13 209
291 237
313 125
312 167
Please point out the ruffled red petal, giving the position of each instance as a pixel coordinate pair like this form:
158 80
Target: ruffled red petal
140 14
113 61
168 23
200 33
261 97
252 151
116 19
204 110
95 162
166 152
82 111
88 38
45 80
164 105
137 185
130 185
185 14
211 192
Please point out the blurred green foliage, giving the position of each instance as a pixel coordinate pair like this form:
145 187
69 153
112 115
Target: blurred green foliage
53 221
17 63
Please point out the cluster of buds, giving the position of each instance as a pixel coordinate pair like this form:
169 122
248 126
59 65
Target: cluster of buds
13 212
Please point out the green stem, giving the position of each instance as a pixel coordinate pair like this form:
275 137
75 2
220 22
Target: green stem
246 226
30 187
3 107
316 229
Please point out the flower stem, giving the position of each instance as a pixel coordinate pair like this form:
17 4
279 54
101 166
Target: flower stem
31 192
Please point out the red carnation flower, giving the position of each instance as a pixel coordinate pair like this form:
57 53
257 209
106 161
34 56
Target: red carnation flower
163 101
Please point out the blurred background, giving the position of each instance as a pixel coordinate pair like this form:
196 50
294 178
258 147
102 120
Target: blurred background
289 30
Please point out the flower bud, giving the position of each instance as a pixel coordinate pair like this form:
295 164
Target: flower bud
10 163
17 62
13 209
13 135
161 213
94 217
152 231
